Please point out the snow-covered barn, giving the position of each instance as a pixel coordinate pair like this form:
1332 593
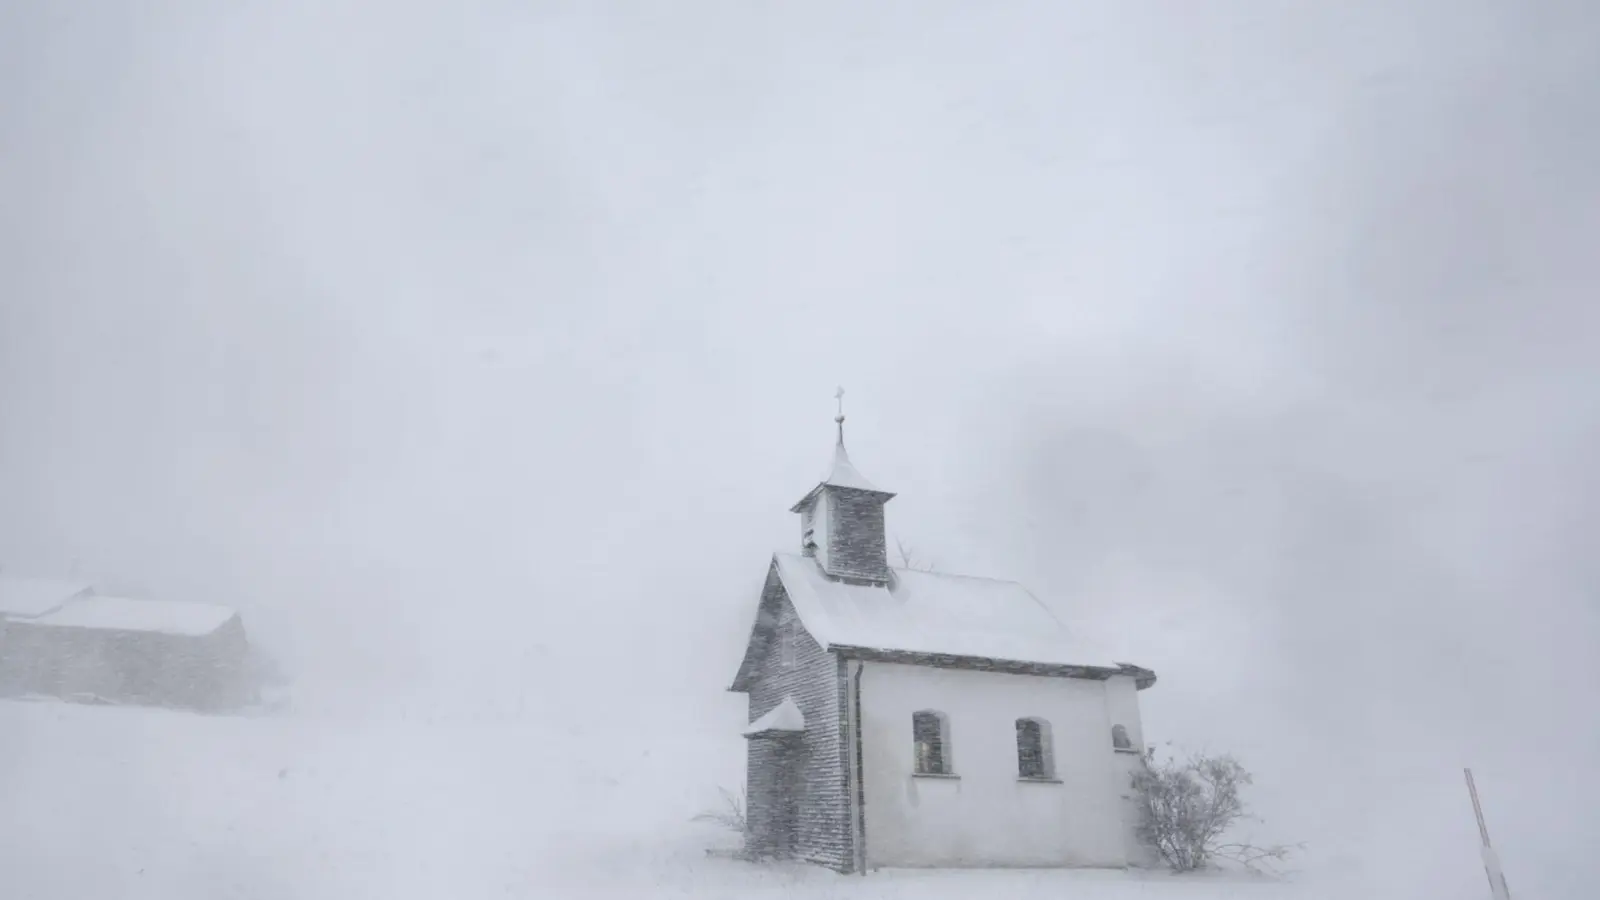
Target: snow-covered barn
63 639
908 718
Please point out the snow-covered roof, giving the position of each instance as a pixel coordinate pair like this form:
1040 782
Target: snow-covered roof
931 612
842 473
30 597
786 716
123 614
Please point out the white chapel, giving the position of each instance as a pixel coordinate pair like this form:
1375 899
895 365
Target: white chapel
906 718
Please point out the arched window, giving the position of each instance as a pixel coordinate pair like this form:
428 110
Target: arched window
1035 758
931 733
1119 738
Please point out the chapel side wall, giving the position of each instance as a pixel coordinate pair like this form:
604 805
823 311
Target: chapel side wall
815 682
1122 706
986 816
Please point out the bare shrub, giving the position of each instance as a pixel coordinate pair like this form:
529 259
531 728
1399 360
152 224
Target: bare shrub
910 559
730 815
1188 806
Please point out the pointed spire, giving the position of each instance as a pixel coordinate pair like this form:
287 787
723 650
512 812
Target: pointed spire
843 473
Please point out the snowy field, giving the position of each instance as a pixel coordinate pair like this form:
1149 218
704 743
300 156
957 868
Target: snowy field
124 803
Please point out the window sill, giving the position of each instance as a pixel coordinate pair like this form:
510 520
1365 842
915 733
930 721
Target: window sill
1125 749
941 775
1028 779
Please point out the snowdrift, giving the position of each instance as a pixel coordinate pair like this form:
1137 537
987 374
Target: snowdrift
135 803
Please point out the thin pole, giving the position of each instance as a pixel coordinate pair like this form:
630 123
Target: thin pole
1477 808
1491 861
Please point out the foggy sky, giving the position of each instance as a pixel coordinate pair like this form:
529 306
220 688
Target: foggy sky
1257 339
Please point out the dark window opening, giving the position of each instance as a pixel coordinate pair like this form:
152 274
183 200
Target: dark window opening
928 731
1033 749
1119 738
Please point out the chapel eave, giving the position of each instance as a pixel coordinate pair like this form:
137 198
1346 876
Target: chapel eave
1143 678
812 494
748 669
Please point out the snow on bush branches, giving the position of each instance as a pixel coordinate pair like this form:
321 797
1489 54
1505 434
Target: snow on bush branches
1187 807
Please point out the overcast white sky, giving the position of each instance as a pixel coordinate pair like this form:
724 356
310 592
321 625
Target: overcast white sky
459 342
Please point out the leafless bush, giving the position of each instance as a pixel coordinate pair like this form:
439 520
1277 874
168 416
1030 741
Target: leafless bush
1188 806
730 815
910 560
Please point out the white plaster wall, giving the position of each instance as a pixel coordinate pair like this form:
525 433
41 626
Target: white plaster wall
1122 708
819 524
985 816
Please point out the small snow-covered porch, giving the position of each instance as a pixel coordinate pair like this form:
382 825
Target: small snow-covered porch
774 780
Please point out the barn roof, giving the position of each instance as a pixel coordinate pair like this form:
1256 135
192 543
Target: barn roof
124 614
31 597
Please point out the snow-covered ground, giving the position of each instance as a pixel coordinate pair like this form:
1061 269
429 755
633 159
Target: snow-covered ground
127 803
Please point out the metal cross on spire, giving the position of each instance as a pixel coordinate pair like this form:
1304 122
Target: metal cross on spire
838 396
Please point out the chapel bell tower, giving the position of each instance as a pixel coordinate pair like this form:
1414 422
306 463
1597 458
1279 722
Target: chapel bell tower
841 519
